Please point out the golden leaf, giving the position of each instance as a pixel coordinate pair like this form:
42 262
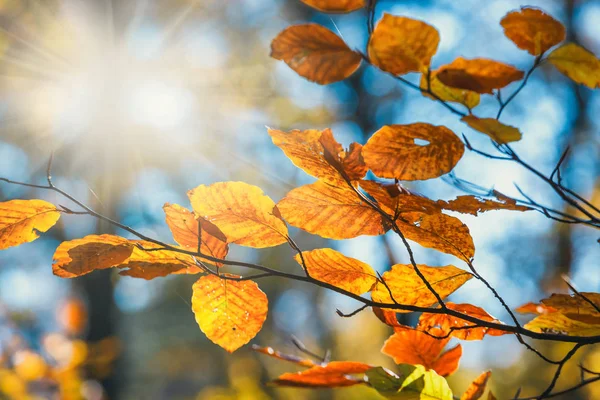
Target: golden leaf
468 204
335 6
559 323
467 98
408 288
393 151
533 30
330 212
477 387
150 264
495 129
334 374
400 45
392 198
330 266
22 220
579 64
242 212
229 312
479 75
315 53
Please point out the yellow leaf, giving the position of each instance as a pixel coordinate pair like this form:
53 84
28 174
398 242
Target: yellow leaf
330 266
335 6
468 204
315 53
533 30
477 387
400 45
334 374
242 212
467 98
579 64
158 263
229 312
185 229
393 151
22 220
330 212
575 306
495 129
82 256
408 288
479 75
558 323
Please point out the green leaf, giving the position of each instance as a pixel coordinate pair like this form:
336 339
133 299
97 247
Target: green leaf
412 383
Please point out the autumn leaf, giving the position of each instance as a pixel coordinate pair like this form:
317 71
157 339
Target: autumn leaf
558 323
269 351
242 212
412 382
468 204
82 256
410 346
576 306
330 212
316 53
148 263
21 221
408 288
533 308
533 30
467 98
330 266
387 316
455 327
400 45
353 163
412 152
394 199
499 132
334 374
188 230
579 64
477 387
335 6
479 75
229 312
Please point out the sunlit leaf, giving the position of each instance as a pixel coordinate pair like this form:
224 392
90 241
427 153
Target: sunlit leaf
395 199
410 346
533 308
315 53
400 45
468 204
576 306
479 75
330 212
387 316
495 129
242 212
229 312
412 152
21 221
151 263
477 387
412 382
533 30
408 288
330 266
467 98
335 6
82 256
579 64
558 323
334 374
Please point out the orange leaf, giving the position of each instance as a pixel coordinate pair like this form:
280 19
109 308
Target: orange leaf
269 351
353 163
448 324
315 53
495 129
400 45
82 256
22 220
410 346
334 374
386 316
158 263
533 30
393 151
559 323
579 64
467 98
229 312
472 204
533 308
477 387
184 227
330 266
335 6
479 75
575 306
242 212
408 288
330 212
393 198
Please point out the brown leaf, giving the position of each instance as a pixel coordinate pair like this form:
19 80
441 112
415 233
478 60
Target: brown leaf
408 288
468 204
353 163
315 53
334 374
477 387
579 64
394 199
330 266
21 221
400 45
330 212
495 129
335 6
479 75
393 151
467 98
154 264
533 30
242 212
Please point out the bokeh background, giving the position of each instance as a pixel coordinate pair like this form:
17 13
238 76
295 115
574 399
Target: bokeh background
142 100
